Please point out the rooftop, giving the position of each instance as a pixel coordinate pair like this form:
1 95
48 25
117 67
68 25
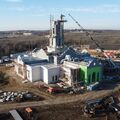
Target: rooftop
29 60
86 62
38 64
50 66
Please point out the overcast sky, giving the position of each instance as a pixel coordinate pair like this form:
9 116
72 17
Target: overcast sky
35 14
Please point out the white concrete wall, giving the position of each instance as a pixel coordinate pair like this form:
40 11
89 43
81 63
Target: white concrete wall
40 54
71 64
49 73
45 75
19 60
29 69
67 72
35 73
16 70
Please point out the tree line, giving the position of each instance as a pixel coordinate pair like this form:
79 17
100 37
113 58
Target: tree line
107 40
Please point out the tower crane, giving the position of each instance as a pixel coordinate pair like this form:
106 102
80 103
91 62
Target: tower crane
88 34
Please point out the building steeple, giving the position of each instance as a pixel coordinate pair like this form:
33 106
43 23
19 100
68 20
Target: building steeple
56 39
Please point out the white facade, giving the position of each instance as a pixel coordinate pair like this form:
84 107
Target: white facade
40 54
56 34
34 73
70 72
48 73
20 71
51 73
71 64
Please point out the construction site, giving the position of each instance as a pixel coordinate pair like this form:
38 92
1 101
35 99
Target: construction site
61 82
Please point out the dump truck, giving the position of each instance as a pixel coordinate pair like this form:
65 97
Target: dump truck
100 106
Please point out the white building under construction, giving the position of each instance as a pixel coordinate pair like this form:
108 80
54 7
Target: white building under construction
45 65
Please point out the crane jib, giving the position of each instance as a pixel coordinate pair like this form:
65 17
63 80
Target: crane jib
88 34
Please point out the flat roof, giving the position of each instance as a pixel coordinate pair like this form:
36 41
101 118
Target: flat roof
37 64
50 66
33 60
84 63
72 67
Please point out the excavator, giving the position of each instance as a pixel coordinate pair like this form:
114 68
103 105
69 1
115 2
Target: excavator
105 105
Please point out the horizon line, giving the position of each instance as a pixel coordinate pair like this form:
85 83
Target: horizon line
49 29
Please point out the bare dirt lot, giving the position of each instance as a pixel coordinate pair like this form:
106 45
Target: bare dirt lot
71 111
54 107
14 83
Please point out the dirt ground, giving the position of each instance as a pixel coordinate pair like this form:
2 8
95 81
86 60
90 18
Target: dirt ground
58 112
15 84
72 111
63 112
52 108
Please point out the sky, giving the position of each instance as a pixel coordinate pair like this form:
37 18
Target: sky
35 14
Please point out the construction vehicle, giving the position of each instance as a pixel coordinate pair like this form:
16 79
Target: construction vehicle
100 106
98 46
53 90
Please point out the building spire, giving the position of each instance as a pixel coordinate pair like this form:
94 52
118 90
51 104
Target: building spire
56 33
